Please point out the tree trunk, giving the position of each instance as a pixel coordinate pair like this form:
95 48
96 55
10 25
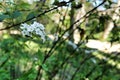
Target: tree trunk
79 14
108 28
109 25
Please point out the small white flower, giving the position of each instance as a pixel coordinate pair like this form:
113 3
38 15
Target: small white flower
41 27
24 26
26 33
38 32
38 25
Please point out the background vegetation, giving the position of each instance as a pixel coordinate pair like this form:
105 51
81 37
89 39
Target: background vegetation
69 27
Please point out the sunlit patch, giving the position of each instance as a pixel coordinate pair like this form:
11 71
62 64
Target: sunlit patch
107 59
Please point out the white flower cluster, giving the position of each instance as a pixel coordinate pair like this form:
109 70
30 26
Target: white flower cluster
35 28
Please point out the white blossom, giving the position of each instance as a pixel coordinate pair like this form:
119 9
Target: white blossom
24 26
38 25
26 33
35 28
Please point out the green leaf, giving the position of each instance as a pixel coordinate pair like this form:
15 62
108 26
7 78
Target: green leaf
3 16
30 15
16 14
44 66
55 2
23 5
40 56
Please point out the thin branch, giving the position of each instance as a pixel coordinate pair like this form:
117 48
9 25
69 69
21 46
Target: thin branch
54 45
3 63
85 16
29 19
65 60
47 11
94 68
81 63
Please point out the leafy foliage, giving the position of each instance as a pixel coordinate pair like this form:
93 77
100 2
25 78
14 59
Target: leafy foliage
28 58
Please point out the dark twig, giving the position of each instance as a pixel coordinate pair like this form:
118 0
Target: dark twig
30 18
3 63
52 48
93 69
85 16
35 16
65 60
81 63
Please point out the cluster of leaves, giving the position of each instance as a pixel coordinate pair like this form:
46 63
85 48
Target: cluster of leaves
23 58
20 57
